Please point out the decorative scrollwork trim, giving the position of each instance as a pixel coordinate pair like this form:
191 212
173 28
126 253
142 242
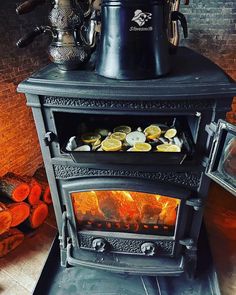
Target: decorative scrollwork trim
145 105
128 246
187 179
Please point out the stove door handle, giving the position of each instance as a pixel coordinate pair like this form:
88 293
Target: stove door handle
121 269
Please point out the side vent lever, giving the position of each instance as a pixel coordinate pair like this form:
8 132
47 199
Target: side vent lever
49 137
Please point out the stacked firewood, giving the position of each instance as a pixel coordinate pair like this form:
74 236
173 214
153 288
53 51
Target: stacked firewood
24 204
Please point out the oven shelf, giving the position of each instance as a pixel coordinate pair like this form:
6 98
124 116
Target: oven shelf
181 124
139 158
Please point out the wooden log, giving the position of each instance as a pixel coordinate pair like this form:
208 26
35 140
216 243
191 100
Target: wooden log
35 190
38 215
10 240
14 188
47 198
5 218
20 212
41 177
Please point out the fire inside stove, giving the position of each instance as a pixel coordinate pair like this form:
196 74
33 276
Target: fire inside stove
125 211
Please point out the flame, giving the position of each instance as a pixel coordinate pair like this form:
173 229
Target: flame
125 210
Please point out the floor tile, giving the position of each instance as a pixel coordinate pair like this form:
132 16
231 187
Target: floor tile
8 286
24 264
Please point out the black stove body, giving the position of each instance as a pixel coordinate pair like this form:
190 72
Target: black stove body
196 95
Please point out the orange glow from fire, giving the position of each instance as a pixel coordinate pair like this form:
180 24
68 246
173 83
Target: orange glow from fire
124 211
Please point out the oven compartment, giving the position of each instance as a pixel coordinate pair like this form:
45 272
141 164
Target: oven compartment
127 251
70 125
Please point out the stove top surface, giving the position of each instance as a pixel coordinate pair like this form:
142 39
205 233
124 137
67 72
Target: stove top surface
192 75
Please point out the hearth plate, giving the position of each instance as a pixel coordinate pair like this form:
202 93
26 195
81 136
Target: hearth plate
57 280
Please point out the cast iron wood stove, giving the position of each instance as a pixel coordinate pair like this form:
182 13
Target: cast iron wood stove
132 213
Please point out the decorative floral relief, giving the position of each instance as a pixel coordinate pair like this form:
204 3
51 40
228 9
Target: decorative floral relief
188 179
128 105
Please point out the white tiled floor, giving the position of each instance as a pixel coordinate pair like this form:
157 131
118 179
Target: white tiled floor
20 269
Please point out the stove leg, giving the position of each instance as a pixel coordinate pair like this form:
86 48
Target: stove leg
151 286
191 263
63 257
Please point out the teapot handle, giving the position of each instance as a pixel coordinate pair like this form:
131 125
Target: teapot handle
28 6
88 32
29 37
175 16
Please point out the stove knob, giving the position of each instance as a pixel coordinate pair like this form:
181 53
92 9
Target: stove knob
100 245
149 249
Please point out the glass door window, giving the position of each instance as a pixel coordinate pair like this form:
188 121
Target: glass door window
222 164
125 211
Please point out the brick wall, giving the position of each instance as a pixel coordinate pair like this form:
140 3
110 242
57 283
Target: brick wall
212 32
19 148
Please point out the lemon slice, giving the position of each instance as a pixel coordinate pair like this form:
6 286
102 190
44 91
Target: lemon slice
152 132
97 142
131 150
142 147
170 133
90 137
124 129
102 132
168 148
118 135
83 148
111 145
134 137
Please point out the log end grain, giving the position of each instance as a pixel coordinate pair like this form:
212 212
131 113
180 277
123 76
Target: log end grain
5 218
20 212
10 240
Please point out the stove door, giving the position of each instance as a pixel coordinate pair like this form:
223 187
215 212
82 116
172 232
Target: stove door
222 162
129 225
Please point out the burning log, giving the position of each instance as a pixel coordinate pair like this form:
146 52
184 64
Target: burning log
168 215
37 216
14 188
171 216
86 206
118 206
5 218
41 177
10 240
149 207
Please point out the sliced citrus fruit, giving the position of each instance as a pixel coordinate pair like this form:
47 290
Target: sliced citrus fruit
124 129
111 145
168 148
102 132
90 137
131 150
142 147
118 135
97 142
83 148
170 133
152 132
134 137
163 127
